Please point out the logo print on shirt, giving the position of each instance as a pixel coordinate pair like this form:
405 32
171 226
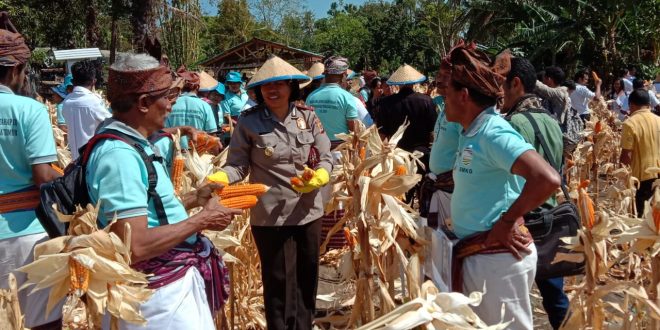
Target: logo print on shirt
467 155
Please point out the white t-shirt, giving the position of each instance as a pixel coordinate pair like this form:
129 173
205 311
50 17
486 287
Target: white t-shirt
363 114
654 99
580 99
627 85
83 111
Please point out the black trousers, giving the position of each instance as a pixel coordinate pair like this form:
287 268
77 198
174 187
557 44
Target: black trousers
289 271
643 194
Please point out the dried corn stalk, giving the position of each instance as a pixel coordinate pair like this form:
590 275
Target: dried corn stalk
618 247
10 310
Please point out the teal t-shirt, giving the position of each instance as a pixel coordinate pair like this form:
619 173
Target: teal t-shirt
439 101
190 110
58 110
233 104
443 150
26 139
334 106
484 186
121 186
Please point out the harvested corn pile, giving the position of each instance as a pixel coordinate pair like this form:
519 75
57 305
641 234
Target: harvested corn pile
90 268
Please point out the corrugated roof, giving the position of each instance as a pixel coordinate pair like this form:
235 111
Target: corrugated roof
76 54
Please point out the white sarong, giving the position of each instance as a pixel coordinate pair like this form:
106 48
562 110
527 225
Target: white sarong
178 305
508 281
16 252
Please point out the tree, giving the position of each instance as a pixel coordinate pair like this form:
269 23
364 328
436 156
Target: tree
233 25
342 34
271 13
181 26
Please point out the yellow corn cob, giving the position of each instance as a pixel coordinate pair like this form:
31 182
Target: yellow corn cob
177 173
256 189
308 174
241 202
78 275
363 153
586 208
401 170
57 169
297 182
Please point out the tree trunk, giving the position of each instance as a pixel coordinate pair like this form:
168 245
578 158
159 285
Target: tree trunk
142 20
113 40
91 25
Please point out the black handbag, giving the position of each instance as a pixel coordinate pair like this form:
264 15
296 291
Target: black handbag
548 226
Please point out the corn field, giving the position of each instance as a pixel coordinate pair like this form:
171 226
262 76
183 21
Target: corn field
380 269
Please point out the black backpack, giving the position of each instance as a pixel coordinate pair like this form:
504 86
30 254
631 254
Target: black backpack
70 190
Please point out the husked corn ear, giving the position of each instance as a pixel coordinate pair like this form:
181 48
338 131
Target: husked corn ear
241 202
308 174
78 275
256 189
363 153
57 169
177 172
586 206
204 142
401 170
297 182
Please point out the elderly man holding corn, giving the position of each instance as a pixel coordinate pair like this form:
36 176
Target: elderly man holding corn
187 273
498 178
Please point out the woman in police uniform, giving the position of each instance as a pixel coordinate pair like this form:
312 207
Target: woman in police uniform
273 142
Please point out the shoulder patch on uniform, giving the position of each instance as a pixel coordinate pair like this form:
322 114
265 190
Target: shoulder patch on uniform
252 110
305 107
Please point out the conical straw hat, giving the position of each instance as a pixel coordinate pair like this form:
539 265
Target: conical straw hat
315 72
276 69
206 82
405 75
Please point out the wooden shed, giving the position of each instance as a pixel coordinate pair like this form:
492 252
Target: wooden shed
250 55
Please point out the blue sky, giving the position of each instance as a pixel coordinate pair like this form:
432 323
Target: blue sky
318 7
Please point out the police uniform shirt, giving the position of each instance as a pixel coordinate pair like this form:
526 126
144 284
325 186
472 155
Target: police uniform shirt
272 152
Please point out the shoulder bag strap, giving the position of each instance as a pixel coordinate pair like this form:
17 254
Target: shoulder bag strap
152 175
544 146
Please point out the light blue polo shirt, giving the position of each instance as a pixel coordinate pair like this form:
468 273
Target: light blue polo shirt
484 186
26 139
190 110
439 101
121 186
334 106
233 104
58 110
445 145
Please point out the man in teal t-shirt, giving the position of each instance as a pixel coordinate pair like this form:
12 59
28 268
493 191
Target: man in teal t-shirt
27 148
157 242
190 110
498 178
334 106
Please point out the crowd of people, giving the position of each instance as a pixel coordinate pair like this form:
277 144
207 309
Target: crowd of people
494 134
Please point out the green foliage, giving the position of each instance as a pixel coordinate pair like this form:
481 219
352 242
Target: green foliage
342 34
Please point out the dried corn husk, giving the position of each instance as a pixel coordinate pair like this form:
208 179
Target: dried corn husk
113 285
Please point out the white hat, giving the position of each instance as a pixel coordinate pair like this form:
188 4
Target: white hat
206 82
315 72
276 69
405 75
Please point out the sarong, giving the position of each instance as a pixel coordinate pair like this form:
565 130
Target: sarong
173 265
